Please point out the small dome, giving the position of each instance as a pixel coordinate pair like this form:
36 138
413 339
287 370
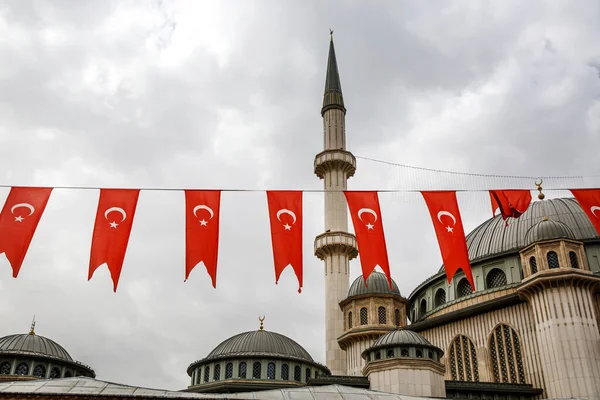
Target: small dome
34 345
377 284
548 229
260 343
401 337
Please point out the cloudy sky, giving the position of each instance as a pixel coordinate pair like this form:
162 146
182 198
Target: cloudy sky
227 94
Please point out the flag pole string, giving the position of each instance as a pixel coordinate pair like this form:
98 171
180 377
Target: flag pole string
439 171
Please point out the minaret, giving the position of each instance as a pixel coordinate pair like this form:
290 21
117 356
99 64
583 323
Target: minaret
336 247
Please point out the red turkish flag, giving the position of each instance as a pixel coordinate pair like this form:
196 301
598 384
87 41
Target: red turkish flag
19 218
512 203
589 200
443 208
368 227
202 231
285 215
114 219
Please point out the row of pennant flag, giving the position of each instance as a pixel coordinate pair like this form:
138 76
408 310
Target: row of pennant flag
24 207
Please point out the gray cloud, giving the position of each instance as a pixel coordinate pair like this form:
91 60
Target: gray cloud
228 94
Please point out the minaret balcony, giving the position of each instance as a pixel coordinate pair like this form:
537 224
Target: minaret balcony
335 160
337 243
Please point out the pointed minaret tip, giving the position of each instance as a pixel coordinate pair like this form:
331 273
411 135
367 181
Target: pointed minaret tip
333 87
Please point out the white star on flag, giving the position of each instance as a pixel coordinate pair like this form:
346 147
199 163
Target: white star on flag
19 219
450 229
203 223
369 226
287 227
114 225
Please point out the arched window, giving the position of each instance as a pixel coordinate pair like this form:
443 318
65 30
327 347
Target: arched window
419 353
68 374
390 353
412 315
552 259
350 320
5 368
378 355
307 373
573 259
505 351
271 370
463 288
397 316
463 360
440 297
422 308
206 373
364 316
533 264
22 369
381 314
297 373
285 372
217 372
39 371
256 369
404 352
495 278
54 373
242 370
228 370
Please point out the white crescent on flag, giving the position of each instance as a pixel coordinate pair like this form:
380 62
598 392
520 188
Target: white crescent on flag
26 205
442 213
117 209
593 209
204 207
366 210
286 211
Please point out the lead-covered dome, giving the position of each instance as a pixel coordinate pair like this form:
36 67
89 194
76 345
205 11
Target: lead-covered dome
259 343
401 337
548 229
377 283
34 345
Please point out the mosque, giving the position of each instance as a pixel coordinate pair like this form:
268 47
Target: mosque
529 330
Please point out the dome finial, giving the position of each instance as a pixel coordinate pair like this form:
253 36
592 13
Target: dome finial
32 330
331 34
261 319
541 196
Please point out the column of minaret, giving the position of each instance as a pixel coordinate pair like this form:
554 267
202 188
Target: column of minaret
336 247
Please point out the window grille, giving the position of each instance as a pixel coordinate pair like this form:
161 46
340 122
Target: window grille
382 315
39 371
242 370
390 353
422 308
505 350
463 288
552 259
5 368
217 372
397 316
307 373
573 259
495 278
206 374
256 369
440 297
271 371
404 352
22 369
285 372
364 316
54 373
228 370
350 320
297 372
463 360
533 265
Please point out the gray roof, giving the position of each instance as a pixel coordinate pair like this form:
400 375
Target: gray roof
259 343
377 284
91 387
333 87
401 337
34 345
493 237
548 229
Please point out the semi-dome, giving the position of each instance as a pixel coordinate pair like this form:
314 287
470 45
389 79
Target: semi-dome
548 229
34 345
377 283
493 238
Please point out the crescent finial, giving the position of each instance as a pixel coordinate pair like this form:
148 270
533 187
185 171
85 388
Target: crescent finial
261 319
541 195
32 330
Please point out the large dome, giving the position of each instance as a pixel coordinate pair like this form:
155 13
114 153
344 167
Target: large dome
259 343
493 238
377 284
34 345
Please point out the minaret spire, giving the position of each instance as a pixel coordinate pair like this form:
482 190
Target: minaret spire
336 247
333 87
